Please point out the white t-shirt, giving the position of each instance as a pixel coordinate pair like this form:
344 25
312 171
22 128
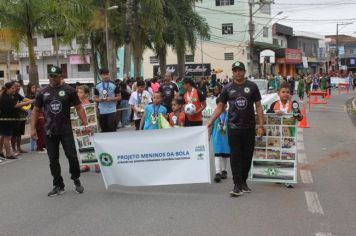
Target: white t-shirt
146 99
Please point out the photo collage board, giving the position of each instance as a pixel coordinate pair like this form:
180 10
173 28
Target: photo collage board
84 142
275 154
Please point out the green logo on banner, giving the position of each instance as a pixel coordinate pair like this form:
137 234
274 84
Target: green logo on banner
105 159
273 172
200 156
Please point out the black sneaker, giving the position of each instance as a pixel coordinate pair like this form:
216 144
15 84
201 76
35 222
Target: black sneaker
78 186
217 178
57 190
11 158
244 188
224 174
236 191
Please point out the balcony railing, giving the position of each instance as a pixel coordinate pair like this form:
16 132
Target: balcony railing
49 53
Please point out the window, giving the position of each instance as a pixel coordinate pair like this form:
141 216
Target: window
83 67
227 29
189 58
34 41
81 40
304 47
275 42
282 45
265 32
64 70
1 74
228 56
314 49
49 67
224 2
154 60
266 9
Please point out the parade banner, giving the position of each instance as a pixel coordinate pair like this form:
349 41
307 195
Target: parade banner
83 141
275 155
154 157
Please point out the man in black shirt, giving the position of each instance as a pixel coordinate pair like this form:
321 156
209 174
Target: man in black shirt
56 99
168 90
241 94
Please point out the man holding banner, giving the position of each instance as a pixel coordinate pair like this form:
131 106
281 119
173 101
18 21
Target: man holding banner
56 100
242 95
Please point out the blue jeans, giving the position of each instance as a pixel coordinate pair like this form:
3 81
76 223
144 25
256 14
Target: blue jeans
125 113
33 142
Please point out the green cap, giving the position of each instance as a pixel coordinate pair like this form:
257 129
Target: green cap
238 64
55 70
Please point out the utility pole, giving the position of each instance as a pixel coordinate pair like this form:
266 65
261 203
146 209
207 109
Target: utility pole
8 65
250 5
337 47
56 46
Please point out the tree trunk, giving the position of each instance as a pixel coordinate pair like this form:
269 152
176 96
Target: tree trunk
113 61
127 38
162 57
137 63
127 60
181 63
32 71
94 60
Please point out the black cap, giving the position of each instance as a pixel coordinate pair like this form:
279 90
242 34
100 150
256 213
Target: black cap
238 65
104 71
55 70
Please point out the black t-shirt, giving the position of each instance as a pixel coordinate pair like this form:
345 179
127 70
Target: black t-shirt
7 107
57 102
19 98
167 90
241 99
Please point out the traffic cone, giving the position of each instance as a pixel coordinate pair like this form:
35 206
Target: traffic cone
304 123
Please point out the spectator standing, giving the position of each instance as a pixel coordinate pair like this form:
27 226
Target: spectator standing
107 94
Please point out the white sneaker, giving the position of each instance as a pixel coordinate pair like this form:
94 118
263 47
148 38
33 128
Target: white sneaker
42 152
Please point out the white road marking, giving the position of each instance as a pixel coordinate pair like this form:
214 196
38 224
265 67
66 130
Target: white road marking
323 234
313 203
302 158
300 137
345 108
300 146
306 176
300 130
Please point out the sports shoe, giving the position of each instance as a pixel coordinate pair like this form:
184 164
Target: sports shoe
217 178
57 190
78 186
244 188
236 191
11 158
224 174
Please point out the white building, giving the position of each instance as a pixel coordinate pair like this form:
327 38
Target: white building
75 68
229 27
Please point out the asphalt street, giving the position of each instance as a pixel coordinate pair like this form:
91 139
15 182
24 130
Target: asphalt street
323 203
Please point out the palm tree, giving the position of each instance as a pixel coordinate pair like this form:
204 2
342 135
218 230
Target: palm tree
25 17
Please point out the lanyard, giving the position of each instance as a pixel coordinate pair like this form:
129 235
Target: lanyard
139 98
154 116
283 109
105 87
190 96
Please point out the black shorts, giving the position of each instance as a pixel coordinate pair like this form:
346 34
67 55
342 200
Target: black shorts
7 128
224 155
194 123
19 129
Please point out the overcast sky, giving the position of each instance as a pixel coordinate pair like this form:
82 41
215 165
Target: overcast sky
298 12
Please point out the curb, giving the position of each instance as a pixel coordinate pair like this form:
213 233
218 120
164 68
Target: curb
354 103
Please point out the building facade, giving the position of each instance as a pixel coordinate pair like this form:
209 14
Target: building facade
9 67
75 66
229 28
347 52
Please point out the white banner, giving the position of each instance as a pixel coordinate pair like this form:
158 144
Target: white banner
154 157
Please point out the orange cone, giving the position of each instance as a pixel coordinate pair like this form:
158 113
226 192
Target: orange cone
304 123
